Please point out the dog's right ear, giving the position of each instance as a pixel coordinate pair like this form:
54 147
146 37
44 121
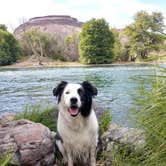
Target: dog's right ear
59 89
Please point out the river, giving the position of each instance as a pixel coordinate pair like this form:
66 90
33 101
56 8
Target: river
22 87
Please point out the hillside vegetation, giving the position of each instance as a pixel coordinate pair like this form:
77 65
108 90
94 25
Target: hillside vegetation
141 41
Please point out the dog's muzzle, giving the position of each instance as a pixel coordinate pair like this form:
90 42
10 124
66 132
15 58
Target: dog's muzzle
73 110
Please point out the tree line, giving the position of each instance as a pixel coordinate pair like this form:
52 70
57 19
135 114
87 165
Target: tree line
96 44
99 44
9 47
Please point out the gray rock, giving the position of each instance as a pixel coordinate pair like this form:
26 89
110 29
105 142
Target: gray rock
124 135
29 143
116 138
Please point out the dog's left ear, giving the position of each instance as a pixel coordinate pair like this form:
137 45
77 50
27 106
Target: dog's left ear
59 89
90 88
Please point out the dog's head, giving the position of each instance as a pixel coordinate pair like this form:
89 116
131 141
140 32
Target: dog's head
75 98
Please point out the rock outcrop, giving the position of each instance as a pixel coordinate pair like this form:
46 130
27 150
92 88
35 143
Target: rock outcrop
123 135
118 138
58 26
33 144
29 143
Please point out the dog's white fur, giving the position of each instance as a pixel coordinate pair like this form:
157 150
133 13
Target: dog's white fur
79 134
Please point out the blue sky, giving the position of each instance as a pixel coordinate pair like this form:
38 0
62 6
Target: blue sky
118 13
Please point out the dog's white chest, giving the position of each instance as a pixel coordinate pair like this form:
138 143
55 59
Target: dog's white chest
79 134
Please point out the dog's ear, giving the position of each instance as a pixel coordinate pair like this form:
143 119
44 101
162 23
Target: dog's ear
90 88
59 89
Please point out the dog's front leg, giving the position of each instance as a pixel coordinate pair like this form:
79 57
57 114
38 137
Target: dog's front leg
69 157
93 156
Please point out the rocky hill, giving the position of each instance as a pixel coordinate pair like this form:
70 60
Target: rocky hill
58 26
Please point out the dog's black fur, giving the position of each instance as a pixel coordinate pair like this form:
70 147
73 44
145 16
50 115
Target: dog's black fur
59 90
86 93
86 97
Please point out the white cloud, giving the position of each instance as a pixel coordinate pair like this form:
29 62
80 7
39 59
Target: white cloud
118 13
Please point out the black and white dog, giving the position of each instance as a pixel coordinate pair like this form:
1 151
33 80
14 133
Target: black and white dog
77 123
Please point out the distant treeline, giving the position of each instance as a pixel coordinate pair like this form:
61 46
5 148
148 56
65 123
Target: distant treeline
96 44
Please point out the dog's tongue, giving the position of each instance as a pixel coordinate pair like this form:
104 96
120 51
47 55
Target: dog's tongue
73 111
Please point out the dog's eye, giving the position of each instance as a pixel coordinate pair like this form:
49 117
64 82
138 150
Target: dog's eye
80 91
67 92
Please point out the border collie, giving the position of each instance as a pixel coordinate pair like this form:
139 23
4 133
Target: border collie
77 123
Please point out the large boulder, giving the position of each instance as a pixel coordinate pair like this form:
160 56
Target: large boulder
29 143
118 138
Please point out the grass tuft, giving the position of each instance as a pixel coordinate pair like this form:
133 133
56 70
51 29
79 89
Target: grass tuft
150 115
104 122
46 116
5 160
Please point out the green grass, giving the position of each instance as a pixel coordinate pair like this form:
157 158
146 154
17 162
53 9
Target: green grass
104 122
46 116
4 161
151 116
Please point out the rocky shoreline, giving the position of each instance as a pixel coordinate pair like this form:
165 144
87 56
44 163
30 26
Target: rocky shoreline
33 144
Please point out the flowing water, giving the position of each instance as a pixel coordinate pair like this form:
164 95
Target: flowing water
21 87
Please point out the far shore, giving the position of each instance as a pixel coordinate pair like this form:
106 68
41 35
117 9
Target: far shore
26 64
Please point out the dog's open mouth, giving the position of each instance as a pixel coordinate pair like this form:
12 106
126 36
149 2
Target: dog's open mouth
73 110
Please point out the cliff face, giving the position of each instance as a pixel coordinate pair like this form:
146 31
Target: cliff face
51 24
58 26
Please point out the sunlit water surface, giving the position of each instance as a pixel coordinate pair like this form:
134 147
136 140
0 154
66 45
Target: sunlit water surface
22 87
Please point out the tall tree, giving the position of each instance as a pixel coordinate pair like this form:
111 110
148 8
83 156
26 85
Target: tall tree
3 27
71 47
9 48
117 47
96 42
40 44
145 34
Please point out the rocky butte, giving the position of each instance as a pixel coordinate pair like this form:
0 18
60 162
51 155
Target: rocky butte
58 26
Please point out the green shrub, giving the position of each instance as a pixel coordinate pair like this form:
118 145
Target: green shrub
9 48
41 44
96 42
36 114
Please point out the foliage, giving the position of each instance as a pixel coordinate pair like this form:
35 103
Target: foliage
4 161
96 42
104 122
71 47
3 27
150 115
145 34
40 44
48 117
117 47
9 48
125 156
36 114
152 118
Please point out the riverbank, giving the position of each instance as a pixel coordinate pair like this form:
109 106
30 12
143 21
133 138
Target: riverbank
27 64
39 127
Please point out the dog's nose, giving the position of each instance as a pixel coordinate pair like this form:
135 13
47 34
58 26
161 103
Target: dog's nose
73 100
